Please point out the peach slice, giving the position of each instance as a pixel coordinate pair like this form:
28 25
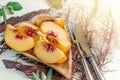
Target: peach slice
16 40
27 28
38 19
56 35
30 30
60 21
48 53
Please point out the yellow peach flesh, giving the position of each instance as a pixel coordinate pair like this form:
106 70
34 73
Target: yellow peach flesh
58 32
60 22
52 56
19 43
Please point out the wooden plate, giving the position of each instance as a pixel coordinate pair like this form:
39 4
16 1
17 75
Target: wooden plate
65 68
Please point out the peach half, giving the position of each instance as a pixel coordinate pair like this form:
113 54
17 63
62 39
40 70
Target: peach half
56 35
16 40
48 53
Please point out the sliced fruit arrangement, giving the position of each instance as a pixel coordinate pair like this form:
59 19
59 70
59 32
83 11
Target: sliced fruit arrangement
44 39
54 28
43 34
